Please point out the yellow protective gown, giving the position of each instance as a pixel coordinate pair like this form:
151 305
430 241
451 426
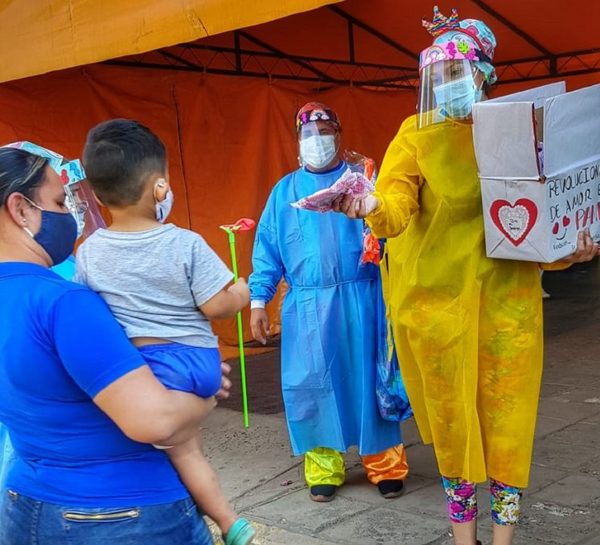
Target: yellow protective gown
468 329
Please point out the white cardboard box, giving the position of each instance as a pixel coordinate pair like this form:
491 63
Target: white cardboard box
533 212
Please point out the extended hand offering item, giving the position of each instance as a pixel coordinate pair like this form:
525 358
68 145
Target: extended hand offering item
358 180
350 183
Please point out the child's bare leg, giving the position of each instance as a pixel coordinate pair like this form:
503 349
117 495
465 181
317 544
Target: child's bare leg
201 481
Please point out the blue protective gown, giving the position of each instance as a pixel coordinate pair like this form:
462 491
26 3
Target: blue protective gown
329 319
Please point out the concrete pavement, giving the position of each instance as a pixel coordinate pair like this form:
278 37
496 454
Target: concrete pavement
561 507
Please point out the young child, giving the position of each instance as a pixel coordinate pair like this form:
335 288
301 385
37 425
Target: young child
163 284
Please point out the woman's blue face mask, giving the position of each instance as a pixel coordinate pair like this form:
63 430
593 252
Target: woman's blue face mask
456 98
57 234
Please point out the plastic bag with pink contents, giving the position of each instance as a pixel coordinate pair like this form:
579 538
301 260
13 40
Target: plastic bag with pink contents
357 180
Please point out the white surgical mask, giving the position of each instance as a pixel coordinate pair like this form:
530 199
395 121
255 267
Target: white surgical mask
456 98
318 151
163 208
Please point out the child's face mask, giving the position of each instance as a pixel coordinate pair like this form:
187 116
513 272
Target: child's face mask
164 207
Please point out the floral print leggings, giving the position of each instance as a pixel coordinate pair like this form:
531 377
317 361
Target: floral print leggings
461 497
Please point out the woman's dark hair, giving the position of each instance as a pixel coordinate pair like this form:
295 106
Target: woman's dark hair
20 172
488 88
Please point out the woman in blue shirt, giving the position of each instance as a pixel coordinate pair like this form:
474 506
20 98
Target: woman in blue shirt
81 406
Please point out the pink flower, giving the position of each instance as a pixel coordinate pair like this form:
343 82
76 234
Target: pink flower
455 508
464 491
451 49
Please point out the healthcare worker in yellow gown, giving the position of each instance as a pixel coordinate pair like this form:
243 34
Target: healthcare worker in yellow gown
468 329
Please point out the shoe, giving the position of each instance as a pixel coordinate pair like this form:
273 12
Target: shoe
240 533
390 488
545 294
323 492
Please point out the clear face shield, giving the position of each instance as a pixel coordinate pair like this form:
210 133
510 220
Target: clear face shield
317 144
80 201
448 90
79 197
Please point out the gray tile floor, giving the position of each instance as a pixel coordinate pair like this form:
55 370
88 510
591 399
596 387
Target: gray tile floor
562 506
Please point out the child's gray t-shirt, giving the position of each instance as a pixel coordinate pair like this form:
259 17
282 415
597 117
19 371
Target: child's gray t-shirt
154 281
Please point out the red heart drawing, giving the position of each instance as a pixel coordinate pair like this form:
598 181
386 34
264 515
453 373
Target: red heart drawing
514 220
566 221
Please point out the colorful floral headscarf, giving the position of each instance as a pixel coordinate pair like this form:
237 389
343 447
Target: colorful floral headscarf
315 111
469 39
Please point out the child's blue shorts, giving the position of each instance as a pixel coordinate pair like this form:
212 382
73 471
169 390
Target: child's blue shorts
186 368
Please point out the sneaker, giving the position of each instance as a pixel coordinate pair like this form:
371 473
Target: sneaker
323 492
240 533
390 488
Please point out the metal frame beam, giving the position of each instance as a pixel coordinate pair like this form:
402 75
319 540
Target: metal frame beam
374 32
281 54
558 56
178 59
351 54
270 54
350 71
527 69
521 33
238 54
514 28
547 76
254 74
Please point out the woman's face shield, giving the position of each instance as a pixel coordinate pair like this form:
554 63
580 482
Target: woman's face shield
316 128
448 90
318 144
79 197
80 201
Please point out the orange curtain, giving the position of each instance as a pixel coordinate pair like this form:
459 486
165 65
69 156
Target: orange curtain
229 139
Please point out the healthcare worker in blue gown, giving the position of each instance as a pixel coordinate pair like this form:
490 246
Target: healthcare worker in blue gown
329 320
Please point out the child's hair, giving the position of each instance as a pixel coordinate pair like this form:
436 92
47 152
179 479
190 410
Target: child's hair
119 156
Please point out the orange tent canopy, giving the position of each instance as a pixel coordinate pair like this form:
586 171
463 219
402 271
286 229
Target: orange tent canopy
47 35
378 42
224 105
